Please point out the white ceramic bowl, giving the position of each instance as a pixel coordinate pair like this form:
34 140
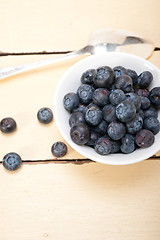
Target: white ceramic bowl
71 81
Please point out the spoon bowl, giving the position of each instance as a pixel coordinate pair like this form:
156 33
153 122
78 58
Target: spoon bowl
119 40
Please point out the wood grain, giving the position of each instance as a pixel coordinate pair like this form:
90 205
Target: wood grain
67 24
83 202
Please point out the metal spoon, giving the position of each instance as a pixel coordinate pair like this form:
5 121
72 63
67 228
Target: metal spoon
101 41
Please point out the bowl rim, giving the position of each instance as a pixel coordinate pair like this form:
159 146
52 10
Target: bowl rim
69 141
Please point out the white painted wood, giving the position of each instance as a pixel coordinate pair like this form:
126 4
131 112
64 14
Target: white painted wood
66 24
83 202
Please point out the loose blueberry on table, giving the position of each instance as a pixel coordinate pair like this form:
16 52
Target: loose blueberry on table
59 149
12 161
113 110
8 125
45 115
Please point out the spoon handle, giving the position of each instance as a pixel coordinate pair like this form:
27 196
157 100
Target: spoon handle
10 71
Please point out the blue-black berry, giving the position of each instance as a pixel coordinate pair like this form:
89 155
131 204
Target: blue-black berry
133 97
135 124
93 116
152 124
103 146
115 146
151 112
76 117
12 161
124 82
125 111
105 77
8 125
119 70
101 128
70 101
80 133
85 93
144 79
116 130
45 115
100 96
59 149
128 144
109 113
116 96
142 92
88 76
144 138
145 103
133 75
155 96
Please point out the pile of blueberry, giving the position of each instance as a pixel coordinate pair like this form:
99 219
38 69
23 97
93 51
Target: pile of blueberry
113 110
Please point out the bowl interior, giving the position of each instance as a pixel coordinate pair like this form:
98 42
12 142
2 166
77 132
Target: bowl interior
70 83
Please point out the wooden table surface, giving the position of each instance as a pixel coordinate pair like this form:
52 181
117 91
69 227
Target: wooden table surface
72 197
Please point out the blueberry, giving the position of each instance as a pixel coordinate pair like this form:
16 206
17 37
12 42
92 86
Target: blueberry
103 146
12 161
141 113
115 146
105 77
144 138
116 130
59 149
70 101
88 76
133 75
144 79
128 144
152 124
81 108
119 70
155 96
151 112
93 138
142 92
8 125
45 115
125 111
101 128
145 103
93 116
109 113
77 117
80 133
100 96
124 83
135 124
116 96
133 97
85 93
